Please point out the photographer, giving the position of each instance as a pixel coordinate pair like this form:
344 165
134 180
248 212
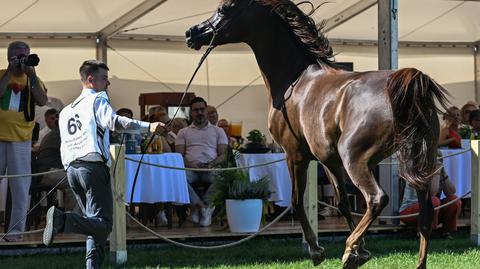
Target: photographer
20 91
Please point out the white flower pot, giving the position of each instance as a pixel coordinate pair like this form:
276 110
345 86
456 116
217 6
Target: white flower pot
244 216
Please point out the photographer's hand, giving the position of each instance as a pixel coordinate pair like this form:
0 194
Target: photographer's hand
29 70
39 95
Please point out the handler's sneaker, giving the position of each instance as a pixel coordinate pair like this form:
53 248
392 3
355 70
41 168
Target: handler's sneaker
55 224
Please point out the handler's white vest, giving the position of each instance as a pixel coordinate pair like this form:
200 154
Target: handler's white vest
79 132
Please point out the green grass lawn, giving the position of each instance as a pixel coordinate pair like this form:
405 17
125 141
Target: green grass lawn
388 252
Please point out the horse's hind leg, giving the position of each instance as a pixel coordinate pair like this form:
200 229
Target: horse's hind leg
376 200
298 172
425 223
337 179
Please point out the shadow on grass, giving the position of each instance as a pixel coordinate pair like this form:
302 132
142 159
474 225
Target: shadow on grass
261 253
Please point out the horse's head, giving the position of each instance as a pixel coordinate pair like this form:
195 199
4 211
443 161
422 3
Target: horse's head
224 26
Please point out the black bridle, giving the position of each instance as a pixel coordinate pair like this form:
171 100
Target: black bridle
204 56
207 52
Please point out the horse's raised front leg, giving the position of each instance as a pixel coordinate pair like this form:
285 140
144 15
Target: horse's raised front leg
376 200
336 177
298 173
425 223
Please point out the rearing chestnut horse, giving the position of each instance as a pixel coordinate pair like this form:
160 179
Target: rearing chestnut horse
346 120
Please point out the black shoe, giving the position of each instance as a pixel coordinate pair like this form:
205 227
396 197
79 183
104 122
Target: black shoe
55 223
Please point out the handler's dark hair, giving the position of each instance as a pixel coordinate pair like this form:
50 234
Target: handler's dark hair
90 67
197 100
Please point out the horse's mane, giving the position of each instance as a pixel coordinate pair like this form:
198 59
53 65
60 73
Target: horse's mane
303 27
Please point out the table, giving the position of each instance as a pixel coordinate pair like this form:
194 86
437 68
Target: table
280 182
459 169
155 184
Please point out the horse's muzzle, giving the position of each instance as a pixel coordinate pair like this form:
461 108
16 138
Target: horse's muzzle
192 38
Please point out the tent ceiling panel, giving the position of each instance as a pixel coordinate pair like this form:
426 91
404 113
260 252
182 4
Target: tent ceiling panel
66 16
173 17
420 20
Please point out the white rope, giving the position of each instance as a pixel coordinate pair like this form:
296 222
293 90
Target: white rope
3 236
33 175
205 169
257 165
399 217
24 233
439 158
209 247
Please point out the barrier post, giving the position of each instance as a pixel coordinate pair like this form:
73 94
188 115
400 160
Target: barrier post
118 237
475 206
310 199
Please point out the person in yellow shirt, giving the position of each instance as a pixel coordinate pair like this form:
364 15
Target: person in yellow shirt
20 91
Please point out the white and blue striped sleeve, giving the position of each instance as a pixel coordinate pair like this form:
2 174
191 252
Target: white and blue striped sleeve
108 119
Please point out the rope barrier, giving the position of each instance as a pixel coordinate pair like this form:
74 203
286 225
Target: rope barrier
120 198
33 175
439 158
398 217
23 233
209 247
205 169
28 212
258 165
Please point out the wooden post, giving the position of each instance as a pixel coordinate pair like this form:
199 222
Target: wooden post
118 237
310 199
475 195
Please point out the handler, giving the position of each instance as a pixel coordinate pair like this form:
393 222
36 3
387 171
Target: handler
84 126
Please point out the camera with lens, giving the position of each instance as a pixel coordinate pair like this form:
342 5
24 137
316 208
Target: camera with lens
28 60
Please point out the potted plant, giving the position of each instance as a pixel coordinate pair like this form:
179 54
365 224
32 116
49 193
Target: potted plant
256 143
243 199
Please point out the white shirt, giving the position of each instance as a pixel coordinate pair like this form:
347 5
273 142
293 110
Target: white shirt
106 118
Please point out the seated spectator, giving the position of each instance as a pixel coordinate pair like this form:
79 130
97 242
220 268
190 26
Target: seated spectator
449 132
162 116
232 143
212 115
51 117
465 112
465 129
48 158
475 123
153 110
52 102
447 216
176 125
116 138
202 145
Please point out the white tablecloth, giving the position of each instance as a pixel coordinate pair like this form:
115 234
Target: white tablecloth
459 169
280 182
155 184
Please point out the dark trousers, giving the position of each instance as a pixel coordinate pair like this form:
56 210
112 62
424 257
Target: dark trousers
91 185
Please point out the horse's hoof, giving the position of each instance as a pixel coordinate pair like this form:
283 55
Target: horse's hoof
363 256
317 256
350 261
422 266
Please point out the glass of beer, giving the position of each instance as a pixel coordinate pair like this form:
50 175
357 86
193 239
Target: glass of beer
236 129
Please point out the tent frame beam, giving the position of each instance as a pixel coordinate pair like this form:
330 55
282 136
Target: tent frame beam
74 37
346 14
128 18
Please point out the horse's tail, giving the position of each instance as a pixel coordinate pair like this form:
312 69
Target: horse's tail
416 127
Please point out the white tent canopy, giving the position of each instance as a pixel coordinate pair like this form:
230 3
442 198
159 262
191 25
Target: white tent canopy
147 50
